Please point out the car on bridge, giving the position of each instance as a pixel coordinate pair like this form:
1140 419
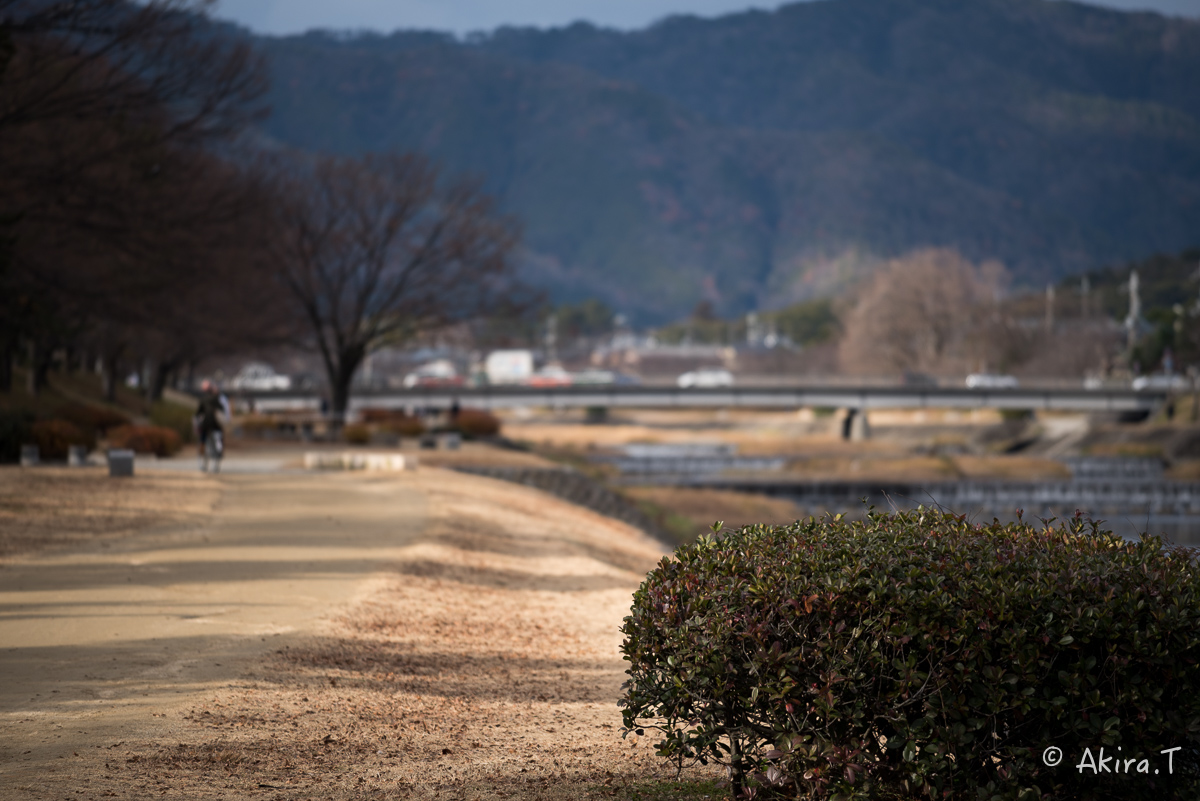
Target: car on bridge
258 377
705 377
439 373
552 375
992 381
1171 383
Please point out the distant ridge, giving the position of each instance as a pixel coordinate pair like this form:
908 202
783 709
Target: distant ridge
764 157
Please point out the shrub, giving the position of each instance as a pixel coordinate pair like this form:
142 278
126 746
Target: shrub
95 419
16 429
258 425
473 423
146 439
54 437
405 426
357 434
379 415
919 655
396 421
174 416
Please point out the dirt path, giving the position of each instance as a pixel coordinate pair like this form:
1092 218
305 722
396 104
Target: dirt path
327 636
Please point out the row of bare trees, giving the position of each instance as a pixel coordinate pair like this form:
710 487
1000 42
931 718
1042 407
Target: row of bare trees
138 226
120 218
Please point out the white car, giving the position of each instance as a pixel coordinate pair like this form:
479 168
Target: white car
257 376
990 381
436 373
1175 383
705 377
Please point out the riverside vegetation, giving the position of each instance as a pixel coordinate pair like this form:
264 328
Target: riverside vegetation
918 654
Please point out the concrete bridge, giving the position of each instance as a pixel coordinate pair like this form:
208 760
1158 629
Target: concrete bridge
767 397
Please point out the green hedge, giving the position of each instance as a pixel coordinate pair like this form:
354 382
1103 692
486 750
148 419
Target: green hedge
918 655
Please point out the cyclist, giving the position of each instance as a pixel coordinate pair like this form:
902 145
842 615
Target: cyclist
207 422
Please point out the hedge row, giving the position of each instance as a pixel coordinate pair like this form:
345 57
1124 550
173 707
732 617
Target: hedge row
155 440
920 655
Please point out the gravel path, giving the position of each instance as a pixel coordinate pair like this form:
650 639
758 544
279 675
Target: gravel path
423 635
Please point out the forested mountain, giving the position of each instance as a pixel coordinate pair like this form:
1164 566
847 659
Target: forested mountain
764 157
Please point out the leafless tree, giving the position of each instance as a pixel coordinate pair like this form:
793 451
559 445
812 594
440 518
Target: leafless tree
373 250
64 59
111 205
925 312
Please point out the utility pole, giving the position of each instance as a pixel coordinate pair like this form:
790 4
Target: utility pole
1049 308
552 338
1135 313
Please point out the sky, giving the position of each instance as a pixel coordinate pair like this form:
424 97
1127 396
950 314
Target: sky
464 16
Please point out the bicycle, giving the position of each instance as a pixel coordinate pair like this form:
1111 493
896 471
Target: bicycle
214 451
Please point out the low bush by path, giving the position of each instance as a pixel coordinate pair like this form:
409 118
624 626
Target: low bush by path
919 654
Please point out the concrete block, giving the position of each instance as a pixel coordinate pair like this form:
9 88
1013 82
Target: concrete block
30 456
120 463
352 460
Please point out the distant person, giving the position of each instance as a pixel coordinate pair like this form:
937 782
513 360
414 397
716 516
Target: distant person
207 423
454 411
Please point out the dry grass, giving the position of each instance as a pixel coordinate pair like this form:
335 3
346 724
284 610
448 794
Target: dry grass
1184 470
688 513
481 454
49 507
1016 468
1127 450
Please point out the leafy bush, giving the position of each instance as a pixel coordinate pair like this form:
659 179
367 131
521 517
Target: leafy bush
474 423
94 419
146 439
16 429
54 437
920 655
176 417
357 434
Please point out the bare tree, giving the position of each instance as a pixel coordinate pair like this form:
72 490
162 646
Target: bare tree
63 59
373 250
110 205
923 312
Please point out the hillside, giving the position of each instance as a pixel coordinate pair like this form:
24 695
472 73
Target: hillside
766 157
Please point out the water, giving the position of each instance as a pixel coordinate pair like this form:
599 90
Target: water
1178 528
688 459
1129 495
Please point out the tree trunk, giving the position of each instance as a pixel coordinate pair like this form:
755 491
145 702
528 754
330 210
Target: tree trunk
40 357
341 375
6 362
156 380
736 778
108 377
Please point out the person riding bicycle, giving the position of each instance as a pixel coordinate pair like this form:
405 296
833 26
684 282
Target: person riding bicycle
207 422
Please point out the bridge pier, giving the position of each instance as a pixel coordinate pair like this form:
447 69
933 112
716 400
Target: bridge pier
855 427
